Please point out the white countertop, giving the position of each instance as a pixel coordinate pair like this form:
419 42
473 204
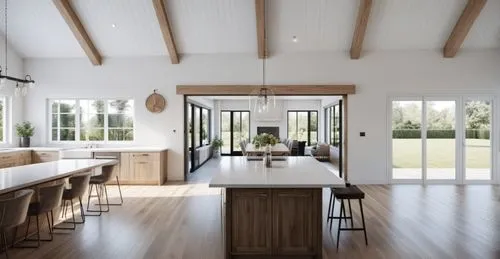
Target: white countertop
100 149
16 178
295 172
120 149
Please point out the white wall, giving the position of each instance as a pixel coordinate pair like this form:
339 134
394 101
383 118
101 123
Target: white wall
377 76
15 113
282 106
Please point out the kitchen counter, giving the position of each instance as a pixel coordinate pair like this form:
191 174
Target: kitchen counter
121 149
280 207
294 172
41 149
19 177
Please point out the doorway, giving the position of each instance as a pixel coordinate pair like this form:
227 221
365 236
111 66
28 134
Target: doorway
441 140
234 128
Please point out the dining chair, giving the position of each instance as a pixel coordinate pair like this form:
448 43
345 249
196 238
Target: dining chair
13 213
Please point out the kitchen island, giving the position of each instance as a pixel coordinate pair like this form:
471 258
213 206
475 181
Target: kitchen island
274 212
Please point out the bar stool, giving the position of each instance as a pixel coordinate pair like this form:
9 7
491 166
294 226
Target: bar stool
351 192
79 185
49 199
13 213
99 182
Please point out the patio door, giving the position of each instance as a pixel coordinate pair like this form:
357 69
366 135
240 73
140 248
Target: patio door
235 127
441 140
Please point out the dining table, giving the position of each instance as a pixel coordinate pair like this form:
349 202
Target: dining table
279 149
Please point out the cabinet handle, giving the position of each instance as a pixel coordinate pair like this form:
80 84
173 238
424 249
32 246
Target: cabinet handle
142 163
142 155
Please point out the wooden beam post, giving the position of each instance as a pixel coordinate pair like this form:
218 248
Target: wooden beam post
462 28
260 14
76 26
365 7
166 30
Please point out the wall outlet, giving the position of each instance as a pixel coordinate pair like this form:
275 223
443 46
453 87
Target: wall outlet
362 134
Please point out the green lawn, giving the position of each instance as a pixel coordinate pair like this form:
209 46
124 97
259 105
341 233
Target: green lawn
440 153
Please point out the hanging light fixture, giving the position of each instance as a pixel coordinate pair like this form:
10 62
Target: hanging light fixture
22 85
263 99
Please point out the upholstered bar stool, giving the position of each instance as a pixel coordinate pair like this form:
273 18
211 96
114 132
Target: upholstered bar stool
99 183
79 185
351 192
13 214
49 199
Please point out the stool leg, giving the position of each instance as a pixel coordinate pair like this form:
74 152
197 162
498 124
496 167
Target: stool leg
50 227
340 222
333 211
4 241
27 227
343 210
329 207
90 194
350 212
81 209
119 190
38 231
363 219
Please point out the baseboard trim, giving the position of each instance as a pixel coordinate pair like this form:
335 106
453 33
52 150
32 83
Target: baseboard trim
368 182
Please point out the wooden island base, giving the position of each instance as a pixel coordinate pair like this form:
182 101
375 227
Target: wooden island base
273 223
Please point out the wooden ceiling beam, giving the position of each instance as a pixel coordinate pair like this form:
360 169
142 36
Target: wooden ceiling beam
166 30
260 14
245 90
76 26
365 7
462 28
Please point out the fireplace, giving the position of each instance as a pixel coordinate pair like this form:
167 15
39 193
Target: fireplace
270 130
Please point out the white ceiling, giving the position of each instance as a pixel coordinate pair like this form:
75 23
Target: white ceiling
36 28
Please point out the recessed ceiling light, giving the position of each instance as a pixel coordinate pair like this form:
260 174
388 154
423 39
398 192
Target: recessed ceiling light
113 25
294 39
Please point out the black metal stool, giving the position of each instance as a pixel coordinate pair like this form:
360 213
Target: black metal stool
348 193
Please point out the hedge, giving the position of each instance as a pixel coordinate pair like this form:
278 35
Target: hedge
440 134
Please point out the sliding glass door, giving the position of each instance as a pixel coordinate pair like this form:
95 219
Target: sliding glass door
235 127
477 144
441 140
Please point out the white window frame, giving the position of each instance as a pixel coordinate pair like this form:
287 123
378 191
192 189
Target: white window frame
460 99
6 120
78 126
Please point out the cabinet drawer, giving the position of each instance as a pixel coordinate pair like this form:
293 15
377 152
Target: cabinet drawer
145 157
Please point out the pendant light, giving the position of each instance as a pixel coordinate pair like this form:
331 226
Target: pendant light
263 99
22 85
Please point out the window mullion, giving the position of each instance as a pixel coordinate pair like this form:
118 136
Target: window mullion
106 121
77 120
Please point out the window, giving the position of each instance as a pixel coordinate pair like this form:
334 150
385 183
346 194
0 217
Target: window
120 120
303 126
332 133
92 120
199 125
3 121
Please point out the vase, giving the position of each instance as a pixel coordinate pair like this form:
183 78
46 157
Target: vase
24 142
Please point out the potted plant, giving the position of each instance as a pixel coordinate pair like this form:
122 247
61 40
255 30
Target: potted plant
264 139
25 131
217 143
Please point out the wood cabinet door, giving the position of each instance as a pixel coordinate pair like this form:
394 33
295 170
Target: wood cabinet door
145 167
251 221
295 221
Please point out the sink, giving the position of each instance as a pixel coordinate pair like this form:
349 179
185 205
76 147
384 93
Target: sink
76 154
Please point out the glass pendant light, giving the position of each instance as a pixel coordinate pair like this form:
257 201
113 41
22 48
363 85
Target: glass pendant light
263 99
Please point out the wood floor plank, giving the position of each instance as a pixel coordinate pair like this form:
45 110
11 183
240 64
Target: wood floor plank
184 221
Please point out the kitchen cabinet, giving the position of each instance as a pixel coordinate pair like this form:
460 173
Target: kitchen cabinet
15 158
143 168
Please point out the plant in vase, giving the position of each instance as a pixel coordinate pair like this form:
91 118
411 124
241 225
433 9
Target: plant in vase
264 139
25 131
217 143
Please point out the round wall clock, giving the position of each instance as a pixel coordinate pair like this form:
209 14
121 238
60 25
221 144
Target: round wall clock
155 103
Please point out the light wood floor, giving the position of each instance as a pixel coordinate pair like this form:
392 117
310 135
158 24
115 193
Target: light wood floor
183 221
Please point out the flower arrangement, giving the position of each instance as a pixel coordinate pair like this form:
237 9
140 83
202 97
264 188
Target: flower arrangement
264 139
